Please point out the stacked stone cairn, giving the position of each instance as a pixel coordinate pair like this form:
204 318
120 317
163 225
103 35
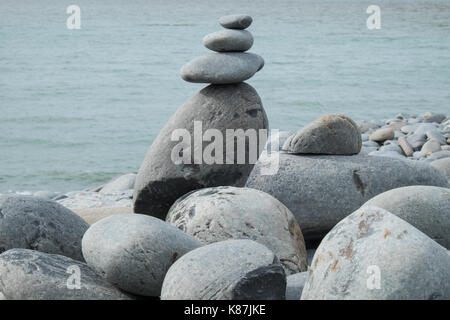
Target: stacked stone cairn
328 220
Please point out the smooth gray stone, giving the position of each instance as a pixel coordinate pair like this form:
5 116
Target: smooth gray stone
330 134
322 190
388 154
294 285
226 270
364 126
222 68
160 181
409 128
438 118
229 40
440 155
223 213
372 242
436 135
423 128
121 183
236 21
416 141
443 165
382 134
39 224
371 144
391 147
48 195
430 147
134 251
396 125
33 275
398 134
425 207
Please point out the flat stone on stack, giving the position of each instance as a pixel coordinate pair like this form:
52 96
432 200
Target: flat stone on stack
236 21
229 40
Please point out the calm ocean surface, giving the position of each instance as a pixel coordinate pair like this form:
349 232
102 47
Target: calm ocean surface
78 107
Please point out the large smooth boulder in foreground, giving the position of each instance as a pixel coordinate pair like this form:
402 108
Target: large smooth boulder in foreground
373 254
222 68
161 181
227 270
223 213
425 207
33 275
322 190
330 134
38 224
134 251
229 40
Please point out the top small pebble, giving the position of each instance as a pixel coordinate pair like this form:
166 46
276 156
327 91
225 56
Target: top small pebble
236 21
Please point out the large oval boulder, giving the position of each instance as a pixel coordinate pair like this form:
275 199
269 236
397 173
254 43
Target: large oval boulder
373 254
134 251
32 275
161 180
330 134
322 190
425 207
223 213
226 270
39 224
222 68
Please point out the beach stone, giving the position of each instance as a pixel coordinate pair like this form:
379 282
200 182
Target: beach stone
440 155
229 40
124 182
405 146
436 135
226 270
160 181
437 117
396 125
330 134
425 207
39 224
371 240
223 213
430 147
443 165
92 215
370 144
416 141
134 251
410 127
222 68
48 195
398 134
393 147
382 134
294 285
322 190
33 275
365 126
236 21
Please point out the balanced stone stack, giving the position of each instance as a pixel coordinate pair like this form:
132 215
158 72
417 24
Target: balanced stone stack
227 103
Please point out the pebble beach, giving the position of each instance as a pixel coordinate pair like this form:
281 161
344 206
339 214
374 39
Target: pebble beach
354 210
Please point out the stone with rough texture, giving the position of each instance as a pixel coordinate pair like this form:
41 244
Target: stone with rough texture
134 251
382 134
322 190
294 285
236 21
124 182
425 207
330 134
160 181
223 213
33 275
443 165
406 147
38 224
222 68
372 244
226 270
229 40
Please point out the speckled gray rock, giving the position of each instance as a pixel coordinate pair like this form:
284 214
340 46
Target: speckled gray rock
160 181
134 251
443 165
330 134
124 182
39 224
236 21
322 190
223 213
226 270
222 68
229 40
33 275
382 134
294 285
372 244
425 207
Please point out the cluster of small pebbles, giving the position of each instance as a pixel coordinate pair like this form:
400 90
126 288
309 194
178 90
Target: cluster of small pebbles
346 203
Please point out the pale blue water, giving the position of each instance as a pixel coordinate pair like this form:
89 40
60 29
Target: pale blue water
80 106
